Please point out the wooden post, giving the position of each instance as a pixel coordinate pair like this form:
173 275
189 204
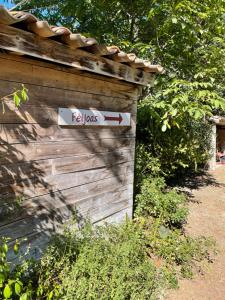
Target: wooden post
212 161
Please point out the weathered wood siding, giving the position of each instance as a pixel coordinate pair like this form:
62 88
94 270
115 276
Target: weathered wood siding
47 171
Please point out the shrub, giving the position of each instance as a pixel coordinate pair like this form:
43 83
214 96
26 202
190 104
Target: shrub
145 164
107 262
153 200
133 260
185 145
179 252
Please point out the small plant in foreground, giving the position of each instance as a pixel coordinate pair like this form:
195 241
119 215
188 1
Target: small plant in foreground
134 260
14 283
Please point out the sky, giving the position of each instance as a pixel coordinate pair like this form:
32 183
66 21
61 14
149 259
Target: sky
6 3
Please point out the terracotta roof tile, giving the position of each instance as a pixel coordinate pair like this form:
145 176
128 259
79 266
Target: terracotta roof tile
74 40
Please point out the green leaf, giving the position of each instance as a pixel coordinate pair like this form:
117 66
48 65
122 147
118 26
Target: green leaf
16 248
24 95
18 288
50 296
2 277
7 292
16 99
5 248
198 114
174 112
24 296
174 20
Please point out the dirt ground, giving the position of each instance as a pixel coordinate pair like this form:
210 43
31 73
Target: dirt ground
207 217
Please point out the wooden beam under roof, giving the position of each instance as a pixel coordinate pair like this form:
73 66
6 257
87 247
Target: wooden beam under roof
20 41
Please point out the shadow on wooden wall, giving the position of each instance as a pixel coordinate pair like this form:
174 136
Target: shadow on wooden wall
48 172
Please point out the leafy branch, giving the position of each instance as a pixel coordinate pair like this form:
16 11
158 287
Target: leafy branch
18 96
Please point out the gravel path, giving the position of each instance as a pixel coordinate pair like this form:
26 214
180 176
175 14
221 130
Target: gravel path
207 217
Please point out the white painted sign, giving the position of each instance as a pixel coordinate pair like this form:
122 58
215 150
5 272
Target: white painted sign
79 117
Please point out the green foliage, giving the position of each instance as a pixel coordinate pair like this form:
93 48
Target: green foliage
107 262
145 164
181 254
192 51
14 284
133 260
176 149
18 96
154 201
182 99
91 17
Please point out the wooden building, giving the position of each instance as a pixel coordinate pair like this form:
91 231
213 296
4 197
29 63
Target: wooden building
48 170
217 142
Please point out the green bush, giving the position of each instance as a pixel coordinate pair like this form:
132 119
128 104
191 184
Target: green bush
133 260
107 262
145 164
177 149
153 200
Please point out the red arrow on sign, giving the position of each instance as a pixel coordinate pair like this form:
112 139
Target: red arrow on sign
119 119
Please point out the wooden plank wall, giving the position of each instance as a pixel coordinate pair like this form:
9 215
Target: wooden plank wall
47 171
